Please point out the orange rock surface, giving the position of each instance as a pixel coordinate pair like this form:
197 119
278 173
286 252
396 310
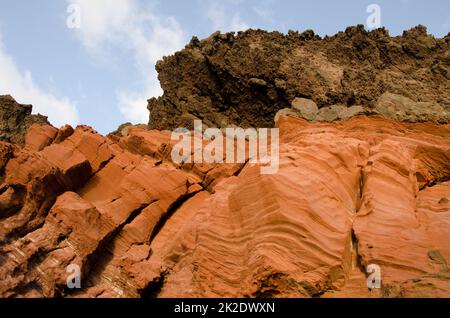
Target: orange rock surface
366 191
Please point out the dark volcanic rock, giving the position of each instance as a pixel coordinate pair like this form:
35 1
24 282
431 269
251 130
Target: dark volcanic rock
246 78
16 119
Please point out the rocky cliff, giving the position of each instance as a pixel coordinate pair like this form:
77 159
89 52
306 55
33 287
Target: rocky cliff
244 79
348 194
363 181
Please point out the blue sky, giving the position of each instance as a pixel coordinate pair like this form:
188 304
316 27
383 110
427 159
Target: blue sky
102 73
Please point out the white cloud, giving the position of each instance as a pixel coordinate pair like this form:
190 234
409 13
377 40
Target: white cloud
60 110
265 10
446 26
222 20
263 13
127 25
132 106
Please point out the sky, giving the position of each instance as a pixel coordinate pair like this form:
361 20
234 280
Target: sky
93 63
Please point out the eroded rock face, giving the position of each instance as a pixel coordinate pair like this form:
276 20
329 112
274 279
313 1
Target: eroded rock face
16 119
74 197
347 195
404 109
244 79
363 180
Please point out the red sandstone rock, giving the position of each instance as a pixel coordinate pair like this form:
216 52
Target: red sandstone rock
40 136
290 234
363 191
63 133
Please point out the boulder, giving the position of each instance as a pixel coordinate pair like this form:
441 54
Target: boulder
285 112
402 108
306 108
339 112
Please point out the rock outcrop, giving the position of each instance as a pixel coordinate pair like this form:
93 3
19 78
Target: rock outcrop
363 184
244 79
16 119
348 194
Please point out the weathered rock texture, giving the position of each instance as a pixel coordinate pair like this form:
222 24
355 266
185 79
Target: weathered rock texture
76 197
356 186
348 194
15 119
246 78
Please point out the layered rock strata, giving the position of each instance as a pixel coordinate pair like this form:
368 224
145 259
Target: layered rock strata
348 194
245 78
